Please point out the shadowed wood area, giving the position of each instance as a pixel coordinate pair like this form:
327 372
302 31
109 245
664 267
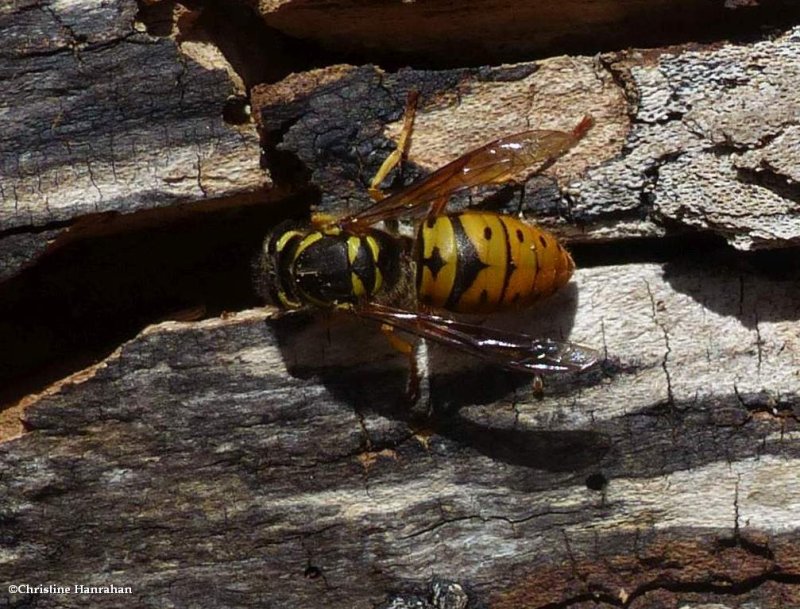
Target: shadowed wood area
446 33
160 431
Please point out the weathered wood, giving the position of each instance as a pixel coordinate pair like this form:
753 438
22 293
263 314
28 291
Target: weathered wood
259 452
101 117
264 460
693 138
450 32
18 250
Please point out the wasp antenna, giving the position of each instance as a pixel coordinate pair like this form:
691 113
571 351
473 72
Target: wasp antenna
581 128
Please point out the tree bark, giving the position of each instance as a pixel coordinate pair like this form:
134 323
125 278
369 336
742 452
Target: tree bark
693 138
103 118
255 450
446 33
257 458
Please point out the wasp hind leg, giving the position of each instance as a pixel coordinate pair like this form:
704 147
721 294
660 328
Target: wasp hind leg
537 387
438 207
407 349
399 153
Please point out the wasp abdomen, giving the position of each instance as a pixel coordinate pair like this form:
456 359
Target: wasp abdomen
479 262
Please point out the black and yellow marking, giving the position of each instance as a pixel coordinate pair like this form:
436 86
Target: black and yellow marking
280 253
365 275
526 263
470 262
478 262
479 259
436 256
327 267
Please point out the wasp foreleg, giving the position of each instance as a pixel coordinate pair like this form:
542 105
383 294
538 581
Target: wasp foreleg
399 153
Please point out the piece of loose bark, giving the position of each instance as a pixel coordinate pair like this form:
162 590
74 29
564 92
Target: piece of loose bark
447 32
102 117
281 456
686 138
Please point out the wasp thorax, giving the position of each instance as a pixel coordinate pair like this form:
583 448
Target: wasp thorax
327 267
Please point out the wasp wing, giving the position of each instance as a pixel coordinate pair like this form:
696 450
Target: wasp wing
493 163
507 349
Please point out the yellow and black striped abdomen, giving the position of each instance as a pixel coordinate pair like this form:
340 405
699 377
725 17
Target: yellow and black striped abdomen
479 262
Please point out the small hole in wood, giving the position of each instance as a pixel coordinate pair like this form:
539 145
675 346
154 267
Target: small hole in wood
236 110
596 482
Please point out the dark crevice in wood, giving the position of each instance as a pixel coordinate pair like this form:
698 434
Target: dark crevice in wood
739 541
257 52
85 297
81 300
724 587
779 184
286 169
236 110
683 250
648 249
263 54
157 16
706 24
622 77
596 481
35 230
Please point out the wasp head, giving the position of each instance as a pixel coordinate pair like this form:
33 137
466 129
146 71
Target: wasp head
273 265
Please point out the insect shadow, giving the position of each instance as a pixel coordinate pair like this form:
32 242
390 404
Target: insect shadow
358 366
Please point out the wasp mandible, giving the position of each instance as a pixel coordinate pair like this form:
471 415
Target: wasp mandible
462 262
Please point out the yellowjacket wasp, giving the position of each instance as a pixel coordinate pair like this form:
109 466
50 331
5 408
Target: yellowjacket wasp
463 262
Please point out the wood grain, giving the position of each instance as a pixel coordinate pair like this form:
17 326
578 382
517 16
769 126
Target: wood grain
677 458
102 118
693 138
260 459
